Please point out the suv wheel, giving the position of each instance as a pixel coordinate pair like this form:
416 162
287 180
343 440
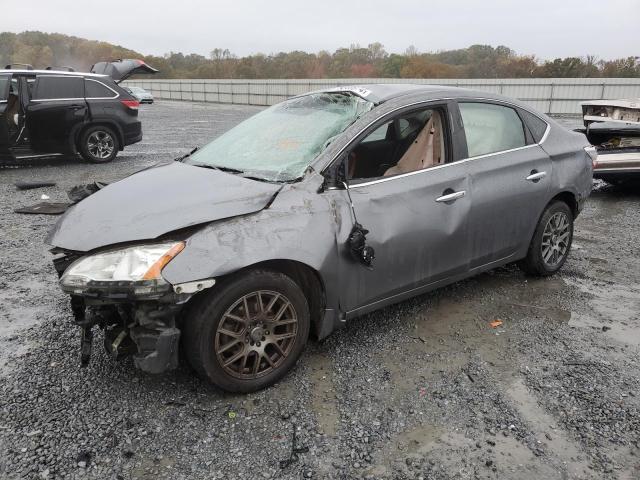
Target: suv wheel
98 144
248 334
551 241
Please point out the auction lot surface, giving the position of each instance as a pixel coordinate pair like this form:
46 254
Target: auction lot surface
425 389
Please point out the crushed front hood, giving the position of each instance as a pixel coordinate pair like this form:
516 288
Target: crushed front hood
156 201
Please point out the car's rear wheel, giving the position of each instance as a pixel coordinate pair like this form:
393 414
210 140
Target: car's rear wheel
551 241
98 144
249 333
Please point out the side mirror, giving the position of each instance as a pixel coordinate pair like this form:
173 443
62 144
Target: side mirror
336 175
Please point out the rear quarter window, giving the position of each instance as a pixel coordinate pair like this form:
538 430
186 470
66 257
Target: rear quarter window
61 87
95 89
491 128
536 125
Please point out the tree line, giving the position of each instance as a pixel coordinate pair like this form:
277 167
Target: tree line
477 61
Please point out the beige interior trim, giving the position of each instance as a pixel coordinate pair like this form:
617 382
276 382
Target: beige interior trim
427 150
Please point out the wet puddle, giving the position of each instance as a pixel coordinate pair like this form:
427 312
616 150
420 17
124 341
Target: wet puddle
323 400
546 430
614 311
18 313
509 457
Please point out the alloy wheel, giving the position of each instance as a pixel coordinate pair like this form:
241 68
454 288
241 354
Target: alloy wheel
100 144
256 334
555 239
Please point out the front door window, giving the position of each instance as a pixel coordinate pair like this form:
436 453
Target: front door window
408 143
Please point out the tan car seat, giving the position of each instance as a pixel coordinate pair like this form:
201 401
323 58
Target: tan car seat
427 150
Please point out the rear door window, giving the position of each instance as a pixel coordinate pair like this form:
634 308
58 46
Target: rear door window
95 89
491 128
59 88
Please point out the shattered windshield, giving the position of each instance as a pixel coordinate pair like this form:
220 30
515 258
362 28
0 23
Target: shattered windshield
279 143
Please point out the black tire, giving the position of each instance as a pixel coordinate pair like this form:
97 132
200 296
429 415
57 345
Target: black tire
107 147
202 321
534 263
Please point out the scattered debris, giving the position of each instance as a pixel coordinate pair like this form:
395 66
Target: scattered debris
45 208
80 192
32 185
83 459
44 197
496 323
293 457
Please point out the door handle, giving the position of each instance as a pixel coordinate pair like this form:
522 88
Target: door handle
536 176
76 107
451 197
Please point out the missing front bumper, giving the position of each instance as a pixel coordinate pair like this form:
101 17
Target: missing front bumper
157 349
146 330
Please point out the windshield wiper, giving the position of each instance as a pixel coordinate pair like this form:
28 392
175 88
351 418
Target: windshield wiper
186 155
217 167
227 169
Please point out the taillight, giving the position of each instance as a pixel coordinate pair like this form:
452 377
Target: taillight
593 155
132 104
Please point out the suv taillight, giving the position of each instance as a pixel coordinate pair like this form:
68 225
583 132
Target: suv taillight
132 104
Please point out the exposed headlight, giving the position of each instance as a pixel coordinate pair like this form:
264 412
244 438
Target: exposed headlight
140 264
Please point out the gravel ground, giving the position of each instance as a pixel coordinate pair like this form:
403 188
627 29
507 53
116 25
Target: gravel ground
422 390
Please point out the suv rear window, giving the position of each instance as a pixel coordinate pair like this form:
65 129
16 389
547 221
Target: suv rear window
60 87
4 87
95 89
491 128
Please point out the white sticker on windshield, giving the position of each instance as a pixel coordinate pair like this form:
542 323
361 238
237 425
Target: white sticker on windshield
363 92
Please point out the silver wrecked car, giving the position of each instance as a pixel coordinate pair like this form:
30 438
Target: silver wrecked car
140 93
319 209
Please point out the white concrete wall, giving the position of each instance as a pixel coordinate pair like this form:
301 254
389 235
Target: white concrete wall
555 96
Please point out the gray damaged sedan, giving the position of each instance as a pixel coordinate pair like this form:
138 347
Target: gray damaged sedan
315 211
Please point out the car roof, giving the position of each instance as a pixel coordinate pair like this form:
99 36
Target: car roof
54 72
383 92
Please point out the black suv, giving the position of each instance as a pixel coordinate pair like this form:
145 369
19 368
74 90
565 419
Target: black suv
56 112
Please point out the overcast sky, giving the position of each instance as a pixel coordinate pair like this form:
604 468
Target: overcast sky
545 28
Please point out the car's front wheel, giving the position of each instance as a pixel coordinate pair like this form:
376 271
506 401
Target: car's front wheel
551 241
248 333
98 144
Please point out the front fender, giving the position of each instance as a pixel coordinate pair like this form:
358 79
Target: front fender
300 226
